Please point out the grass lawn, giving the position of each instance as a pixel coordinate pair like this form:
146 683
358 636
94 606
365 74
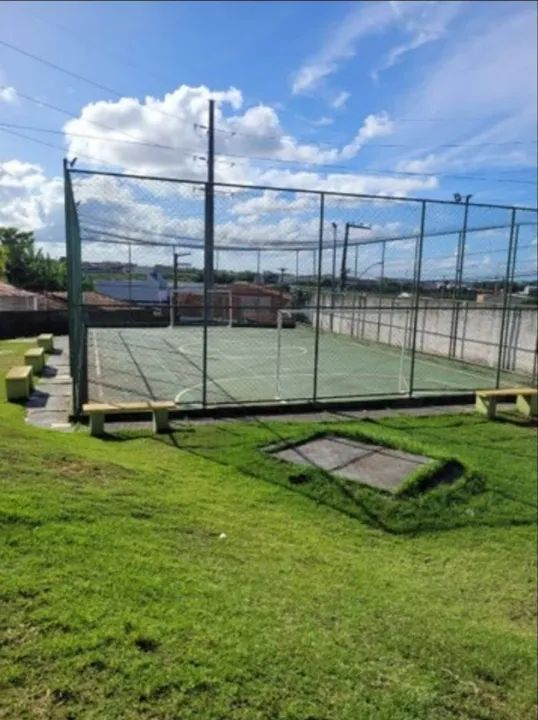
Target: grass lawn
187 576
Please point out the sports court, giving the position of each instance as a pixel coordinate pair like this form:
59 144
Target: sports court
262 365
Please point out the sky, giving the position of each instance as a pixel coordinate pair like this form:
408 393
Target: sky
408 99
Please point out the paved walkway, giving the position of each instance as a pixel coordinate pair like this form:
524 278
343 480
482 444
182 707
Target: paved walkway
50 403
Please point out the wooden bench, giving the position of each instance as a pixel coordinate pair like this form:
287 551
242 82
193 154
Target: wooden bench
526 400
36 358
19 382
46 341
97 412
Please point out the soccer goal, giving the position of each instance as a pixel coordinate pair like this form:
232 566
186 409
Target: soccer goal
298 319
403 384
187 307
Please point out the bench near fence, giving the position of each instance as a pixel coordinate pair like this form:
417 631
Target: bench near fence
526 400
98 411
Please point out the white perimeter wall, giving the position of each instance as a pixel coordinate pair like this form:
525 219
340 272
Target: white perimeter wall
382 319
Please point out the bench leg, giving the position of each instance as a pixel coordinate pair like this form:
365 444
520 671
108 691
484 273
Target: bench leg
160 421
97 424
486 406
527 405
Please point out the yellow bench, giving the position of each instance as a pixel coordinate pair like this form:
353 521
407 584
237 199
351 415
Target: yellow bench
46 341
19 382
35 357
526 400
97 411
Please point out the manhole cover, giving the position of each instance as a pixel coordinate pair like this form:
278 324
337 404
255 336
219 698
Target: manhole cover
373 465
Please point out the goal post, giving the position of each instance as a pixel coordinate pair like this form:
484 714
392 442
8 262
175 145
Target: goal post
288 318
186 306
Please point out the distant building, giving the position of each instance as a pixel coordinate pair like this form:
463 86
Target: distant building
153 289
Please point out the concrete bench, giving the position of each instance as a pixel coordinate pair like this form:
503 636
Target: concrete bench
35 357
19 382
526 400
46 341
97 412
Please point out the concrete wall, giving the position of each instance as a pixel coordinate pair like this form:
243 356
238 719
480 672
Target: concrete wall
470 332
27 323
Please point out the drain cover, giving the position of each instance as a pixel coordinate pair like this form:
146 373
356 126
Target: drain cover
373 465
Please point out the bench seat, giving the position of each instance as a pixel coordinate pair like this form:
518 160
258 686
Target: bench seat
36 358
158 408
19 382
526 400
46 341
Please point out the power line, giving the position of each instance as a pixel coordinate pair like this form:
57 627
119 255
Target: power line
241 133
87 80
54 147
158 146
354 171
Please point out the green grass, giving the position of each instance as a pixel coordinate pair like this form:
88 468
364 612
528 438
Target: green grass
119 597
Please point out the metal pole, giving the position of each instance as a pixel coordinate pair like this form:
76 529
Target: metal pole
175 280
318 297
511 285
296 266
130 273
335 231
343 271
208 240
505 298
382 278
418 272
458 280
356 261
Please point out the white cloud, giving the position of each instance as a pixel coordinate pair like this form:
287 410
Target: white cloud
373 126
489 73
322 121
8 94
174 143
419 21
340 100
429 24
29 200
340 45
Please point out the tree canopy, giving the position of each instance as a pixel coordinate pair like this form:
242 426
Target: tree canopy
28 267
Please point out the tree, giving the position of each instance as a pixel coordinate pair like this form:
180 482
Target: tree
28 267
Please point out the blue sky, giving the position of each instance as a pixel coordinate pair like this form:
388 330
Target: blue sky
350 96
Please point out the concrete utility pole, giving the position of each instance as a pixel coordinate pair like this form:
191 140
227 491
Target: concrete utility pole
209 210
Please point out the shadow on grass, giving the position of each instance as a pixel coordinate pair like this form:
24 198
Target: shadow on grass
436 509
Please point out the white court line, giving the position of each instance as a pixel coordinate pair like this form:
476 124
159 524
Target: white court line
271 377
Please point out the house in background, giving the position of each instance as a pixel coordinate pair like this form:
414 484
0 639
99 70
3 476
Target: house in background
153 289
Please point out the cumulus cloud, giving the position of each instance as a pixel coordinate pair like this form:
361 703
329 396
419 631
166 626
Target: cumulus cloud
31 201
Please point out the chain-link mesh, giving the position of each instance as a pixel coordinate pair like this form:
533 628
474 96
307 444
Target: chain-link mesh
310 296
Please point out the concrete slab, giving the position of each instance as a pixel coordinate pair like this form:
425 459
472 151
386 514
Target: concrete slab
373 465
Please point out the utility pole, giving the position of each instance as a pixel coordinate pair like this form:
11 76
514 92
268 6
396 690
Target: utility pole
209 210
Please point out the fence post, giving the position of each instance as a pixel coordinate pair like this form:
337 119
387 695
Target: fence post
418 273
318 296
507 286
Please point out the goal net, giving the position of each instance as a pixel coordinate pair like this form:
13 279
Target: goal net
187 307
296 319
